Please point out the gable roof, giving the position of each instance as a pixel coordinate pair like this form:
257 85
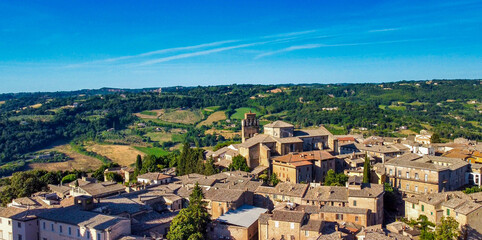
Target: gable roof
260 138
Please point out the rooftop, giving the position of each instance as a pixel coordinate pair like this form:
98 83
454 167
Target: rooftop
278 124
73 215
243 216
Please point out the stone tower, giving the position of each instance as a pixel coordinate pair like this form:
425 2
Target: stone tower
249 126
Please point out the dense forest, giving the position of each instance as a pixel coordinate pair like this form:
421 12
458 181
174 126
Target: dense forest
451 108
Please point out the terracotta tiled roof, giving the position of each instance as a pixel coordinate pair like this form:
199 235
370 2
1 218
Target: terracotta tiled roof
288 216
304 156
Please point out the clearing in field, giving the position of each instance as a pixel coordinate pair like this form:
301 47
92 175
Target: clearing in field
182 116
397 108
2 102
407 132
79 161
225 133
150 114
152 151
211 109
174 135
239 114
120 154
215 117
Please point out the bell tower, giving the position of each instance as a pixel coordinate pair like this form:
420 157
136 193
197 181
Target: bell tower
249 126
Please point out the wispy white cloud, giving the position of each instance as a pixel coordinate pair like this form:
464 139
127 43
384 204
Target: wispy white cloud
146 58
151 53
168 50
205 52
289 49
314 46
290 34
384 30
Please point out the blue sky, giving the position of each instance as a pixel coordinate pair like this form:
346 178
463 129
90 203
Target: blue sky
68 45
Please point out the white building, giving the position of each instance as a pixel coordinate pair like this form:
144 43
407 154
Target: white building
76 222
154 178
17 223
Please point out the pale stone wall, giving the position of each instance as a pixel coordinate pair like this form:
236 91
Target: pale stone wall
360 219
6 228
78 232
279 229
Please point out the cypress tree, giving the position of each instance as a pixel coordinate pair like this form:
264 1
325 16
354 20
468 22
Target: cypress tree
366 170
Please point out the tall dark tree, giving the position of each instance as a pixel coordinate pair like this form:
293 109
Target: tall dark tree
138 162
435 138
366 170
191 222
209 168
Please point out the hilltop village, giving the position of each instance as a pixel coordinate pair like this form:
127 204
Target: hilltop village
242 205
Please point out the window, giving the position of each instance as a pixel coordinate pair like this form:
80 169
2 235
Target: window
78 232
425 190
413 205
60 229
9 222
423 208
448 212
88 234
416 188
43 225
399 173
416 176
98 236
276 224
20 237
408 186
354 203
70 231
356 218
292 226
339 216
307 234
19 224
431 213
426 177
391 172
52 227
408 175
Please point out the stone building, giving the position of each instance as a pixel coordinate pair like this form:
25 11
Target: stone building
279 138
462 207
416 174
239 224
306 167
355 195
289 224
249 126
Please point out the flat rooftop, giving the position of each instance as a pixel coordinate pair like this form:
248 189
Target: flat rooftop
244 216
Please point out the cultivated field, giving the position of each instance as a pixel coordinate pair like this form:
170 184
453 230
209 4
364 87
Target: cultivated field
121 154
224 133
239 114
78 161
164 136
182 116
151 114
215 117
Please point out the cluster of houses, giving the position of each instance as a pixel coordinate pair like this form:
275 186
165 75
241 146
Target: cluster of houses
244 207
